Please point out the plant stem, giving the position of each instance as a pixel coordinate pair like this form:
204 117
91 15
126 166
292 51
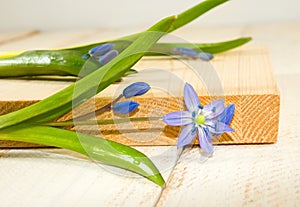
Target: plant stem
88 115
100 122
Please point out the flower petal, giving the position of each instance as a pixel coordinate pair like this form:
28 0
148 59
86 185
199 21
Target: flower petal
227 114
205 142
191 98
186 135
215 107
221 128
178 118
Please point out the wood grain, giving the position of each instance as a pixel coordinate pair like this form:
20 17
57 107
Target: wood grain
10 37
243 77
66 178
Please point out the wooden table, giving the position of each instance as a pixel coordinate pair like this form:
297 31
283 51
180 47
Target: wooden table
237 175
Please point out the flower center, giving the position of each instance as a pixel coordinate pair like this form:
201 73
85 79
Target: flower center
200 119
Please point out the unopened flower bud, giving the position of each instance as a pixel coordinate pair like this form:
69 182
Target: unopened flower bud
125 107
136 89
101 49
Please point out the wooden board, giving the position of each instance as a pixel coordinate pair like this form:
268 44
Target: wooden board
243 77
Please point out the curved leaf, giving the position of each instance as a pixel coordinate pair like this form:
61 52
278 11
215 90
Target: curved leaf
99 149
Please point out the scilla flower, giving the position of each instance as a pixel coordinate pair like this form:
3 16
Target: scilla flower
207 121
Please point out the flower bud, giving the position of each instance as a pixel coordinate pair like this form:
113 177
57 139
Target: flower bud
136 89
101 49
185 52
108 56
205 56
125 107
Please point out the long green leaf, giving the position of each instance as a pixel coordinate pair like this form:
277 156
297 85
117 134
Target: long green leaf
61 102
194 12
167 48
68 61
99 149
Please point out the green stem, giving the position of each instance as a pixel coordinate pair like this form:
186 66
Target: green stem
100 122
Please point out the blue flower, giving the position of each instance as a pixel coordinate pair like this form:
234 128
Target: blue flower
207 121
136 89
125 107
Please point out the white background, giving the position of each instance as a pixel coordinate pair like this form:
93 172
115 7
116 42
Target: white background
70 14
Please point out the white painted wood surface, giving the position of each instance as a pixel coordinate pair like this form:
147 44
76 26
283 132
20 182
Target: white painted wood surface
248 175
237 175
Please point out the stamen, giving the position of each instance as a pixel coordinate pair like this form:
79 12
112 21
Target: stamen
214 109
194 129
200 107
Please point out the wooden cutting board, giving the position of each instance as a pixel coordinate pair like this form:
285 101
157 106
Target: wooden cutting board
243 76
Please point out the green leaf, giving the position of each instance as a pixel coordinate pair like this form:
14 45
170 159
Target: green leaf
166 48
223 46
99 149
194 12
62 102
69 61
42 62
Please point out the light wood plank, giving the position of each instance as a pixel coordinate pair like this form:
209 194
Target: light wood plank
59 177
13 36
244 77
253 175
61 39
